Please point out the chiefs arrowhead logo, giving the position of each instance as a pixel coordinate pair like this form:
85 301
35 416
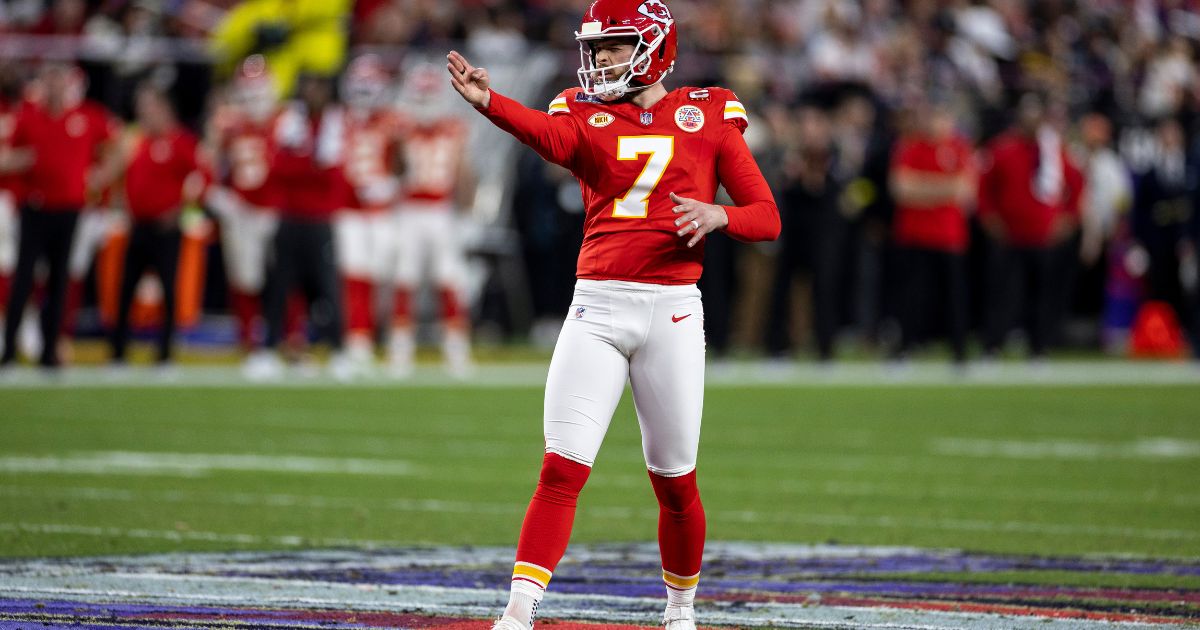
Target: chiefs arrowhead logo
657 11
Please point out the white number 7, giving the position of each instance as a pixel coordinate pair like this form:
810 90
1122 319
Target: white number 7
635 203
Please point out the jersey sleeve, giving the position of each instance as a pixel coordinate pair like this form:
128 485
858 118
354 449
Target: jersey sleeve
754 217
555 135
734 112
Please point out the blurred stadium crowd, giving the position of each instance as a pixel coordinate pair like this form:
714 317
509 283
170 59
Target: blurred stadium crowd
1025 170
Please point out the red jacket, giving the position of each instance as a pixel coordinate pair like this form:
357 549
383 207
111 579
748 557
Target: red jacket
157 171
64 147
942 227
1006 190
311 190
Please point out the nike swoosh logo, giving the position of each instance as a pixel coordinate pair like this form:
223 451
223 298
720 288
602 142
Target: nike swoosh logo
675 319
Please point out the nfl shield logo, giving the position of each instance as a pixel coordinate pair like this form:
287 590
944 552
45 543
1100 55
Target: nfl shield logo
579 312
647 118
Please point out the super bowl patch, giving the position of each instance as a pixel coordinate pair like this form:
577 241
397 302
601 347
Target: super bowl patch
600 119
689 118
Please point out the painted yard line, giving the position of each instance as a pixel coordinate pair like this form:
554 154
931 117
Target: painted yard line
743 374
199 464
189 535
743 516
1156 448
798 488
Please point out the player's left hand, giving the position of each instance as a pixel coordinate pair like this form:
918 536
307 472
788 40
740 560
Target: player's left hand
698 218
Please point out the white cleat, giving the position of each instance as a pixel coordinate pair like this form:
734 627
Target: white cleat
508 623
678 618
262 366
343 368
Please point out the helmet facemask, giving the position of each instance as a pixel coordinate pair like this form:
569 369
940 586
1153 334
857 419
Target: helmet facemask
594 79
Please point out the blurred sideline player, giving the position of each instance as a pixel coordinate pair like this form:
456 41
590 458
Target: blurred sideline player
649 162
437 180
10 103
362 229
93 226
247 198
63 148
165 169
310 140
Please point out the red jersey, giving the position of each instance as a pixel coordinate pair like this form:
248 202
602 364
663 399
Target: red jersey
1006 189
370 146
64 147
247 149
942 227
313 189
158 168
628 161
432 152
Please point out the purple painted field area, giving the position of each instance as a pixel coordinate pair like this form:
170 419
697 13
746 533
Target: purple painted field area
744 585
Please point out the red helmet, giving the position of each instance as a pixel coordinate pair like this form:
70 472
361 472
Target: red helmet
254 90
647 21
366 83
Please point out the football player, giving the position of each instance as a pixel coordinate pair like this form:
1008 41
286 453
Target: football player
247 198
649 162
66 147
437 180
10 103
363 230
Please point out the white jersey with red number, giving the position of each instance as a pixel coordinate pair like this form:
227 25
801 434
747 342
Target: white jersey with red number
432 154
246 149
370 147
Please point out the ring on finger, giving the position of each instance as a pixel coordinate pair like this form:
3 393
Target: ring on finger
695 225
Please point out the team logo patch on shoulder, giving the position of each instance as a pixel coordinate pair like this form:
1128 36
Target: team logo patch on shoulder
601 119
689 118
698 95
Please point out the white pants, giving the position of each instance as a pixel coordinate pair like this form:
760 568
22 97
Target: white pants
428 236
647 334
364 244
246 236
91 233
9 236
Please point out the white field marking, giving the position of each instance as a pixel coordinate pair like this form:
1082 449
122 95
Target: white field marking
189 535
618 513
400 504
719 374
198 464
1153 448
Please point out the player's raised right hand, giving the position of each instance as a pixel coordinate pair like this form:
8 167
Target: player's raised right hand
471 82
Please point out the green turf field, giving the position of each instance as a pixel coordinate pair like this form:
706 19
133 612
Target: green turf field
1028 470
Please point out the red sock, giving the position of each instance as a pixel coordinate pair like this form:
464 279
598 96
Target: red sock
548 521
245 308
358 306
5 287
681 528
402 306
452 311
